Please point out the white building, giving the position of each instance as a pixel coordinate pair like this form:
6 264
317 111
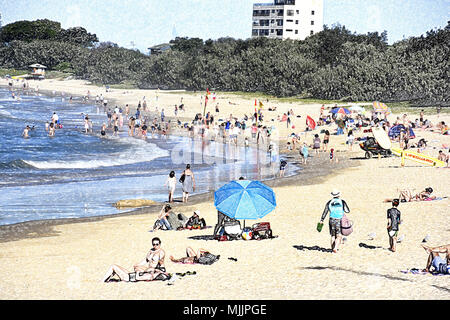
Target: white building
287 19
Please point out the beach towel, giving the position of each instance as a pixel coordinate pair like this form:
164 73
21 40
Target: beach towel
422 272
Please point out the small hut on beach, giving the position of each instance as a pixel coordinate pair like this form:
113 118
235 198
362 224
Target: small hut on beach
38 71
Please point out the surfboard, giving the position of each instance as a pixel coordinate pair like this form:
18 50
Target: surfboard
418 157
382 138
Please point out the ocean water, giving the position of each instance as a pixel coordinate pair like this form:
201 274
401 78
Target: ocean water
76 175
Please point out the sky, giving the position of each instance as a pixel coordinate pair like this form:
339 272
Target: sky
140 24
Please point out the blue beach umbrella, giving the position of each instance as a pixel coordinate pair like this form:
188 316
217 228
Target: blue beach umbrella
244 199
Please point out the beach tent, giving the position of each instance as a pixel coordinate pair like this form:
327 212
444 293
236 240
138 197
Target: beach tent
394 132
245 199
38 70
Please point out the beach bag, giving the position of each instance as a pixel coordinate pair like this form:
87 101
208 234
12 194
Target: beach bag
174 222
262 230
346 226
208 258
232 228
182 178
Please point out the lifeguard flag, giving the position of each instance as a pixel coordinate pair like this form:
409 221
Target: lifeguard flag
261 105
310 122
255 102
207 92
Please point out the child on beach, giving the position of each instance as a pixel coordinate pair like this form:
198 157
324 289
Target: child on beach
316 143
393 216
332 155
171 183
283 165
326 140
304 152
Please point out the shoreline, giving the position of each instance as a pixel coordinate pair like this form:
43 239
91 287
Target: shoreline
41 228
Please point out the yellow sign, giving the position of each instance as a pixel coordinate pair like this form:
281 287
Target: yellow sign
418 157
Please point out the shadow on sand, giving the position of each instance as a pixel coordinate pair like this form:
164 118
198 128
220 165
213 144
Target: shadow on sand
315 248
367 246
361 273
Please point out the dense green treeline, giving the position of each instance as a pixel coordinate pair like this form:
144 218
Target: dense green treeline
334 64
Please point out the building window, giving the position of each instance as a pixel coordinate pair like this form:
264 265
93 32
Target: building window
296 21
288 30
290 12
279 22
312 23
297 11
272 30
254 32
289 20
296 31
312 32
279 32
312 12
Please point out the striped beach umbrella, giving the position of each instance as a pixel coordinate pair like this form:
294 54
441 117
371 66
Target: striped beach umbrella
340 110
380 107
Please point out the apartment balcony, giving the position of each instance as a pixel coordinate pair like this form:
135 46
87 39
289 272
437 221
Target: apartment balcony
267 10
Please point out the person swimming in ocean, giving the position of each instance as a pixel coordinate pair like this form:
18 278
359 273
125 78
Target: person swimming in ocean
26 131
51 130
103 130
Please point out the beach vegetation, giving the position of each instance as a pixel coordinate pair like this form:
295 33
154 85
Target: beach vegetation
332 65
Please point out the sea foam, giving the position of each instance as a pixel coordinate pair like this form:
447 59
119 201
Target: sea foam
141 151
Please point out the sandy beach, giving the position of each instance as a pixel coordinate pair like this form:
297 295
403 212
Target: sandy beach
68 260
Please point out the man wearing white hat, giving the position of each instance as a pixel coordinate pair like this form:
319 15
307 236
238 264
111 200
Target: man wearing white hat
337 207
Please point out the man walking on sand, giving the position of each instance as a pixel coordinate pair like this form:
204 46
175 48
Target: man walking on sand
336 207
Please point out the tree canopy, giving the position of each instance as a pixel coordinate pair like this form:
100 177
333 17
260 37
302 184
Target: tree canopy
332 64
45 29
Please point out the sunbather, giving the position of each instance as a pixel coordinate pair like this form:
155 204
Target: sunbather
435 260
406 195
154 259
202 256
127 276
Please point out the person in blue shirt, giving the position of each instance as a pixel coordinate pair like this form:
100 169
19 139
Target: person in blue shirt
336 207
435 261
